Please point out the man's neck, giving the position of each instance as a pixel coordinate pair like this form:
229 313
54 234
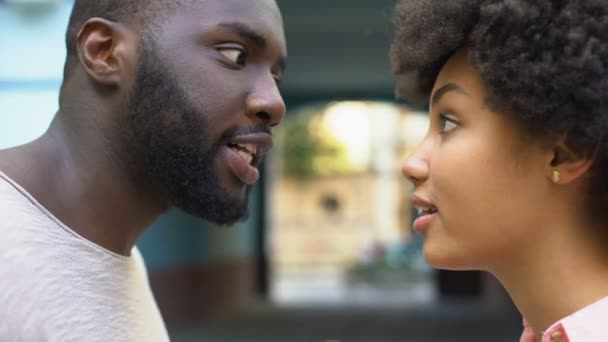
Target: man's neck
81 181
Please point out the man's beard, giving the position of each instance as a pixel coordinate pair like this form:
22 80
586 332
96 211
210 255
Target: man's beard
169 131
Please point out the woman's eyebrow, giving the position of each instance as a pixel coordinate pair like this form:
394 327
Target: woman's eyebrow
439 93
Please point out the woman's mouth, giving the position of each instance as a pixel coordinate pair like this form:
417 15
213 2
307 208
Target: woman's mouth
426 213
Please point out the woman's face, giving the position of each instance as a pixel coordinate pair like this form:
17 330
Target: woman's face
481 182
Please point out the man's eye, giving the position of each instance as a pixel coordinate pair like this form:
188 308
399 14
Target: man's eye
447 123
235 55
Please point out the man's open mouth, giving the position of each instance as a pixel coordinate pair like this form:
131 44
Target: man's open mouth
251 147
249 152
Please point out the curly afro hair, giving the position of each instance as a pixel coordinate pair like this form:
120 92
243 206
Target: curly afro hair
543 62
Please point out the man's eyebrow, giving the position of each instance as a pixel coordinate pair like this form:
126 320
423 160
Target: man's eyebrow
246 32
439 93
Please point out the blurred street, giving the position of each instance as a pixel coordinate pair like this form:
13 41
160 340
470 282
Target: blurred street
446 322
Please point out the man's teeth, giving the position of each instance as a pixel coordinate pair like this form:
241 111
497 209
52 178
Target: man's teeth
251 148
245 155
246 151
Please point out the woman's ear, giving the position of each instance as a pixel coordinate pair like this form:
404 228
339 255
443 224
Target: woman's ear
566 165
103 46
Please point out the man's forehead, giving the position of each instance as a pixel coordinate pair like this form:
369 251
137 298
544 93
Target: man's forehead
241 9
262 16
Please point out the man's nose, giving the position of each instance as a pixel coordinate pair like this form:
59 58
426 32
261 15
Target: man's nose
265 102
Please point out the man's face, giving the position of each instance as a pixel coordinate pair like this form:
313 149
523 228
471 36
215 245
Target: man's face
204 100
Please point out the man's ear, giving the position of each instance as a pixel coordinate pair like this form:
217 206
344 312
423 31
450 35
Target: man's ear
103 49
569 164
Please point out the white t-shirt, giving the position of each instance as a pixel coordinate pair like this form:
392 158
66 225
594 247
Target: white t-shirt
56 286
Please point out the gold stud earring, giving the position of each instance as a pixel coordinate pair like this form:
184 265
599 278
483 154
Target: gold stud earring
556 177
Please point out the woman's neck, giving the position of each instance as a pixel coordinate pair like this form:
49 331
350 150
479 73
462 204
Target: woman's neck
560 276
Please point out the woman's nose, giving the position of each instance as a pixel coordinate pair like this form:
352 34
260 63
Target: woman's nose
416 167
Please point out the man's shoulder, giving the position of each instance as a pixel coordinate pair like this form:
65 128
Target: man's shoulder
20 218
13 198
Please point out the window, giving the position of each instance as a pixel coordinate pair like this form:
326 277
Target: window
32 55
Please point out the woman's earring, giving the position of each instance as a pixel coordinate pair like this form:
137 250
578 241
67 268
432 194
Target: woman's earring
556 177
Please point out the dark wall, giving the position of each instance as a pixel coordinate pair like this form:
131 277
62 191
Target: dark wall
338 47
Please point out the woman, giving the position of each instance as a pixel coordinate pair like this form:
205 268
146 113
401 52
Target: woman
511 176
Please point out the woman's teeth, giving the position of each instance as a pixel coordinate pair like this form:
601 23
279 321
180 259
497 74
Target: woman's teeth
426 211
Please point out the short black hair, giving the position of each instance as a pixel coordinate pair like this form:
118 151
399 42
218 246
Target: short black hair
146 13
544 63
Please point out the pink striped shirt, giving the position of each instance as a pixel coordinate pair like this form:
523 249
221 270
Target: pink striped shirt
585 325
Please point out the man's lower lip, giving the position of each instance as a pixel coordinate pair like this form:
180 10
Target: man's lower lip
245 172
423 222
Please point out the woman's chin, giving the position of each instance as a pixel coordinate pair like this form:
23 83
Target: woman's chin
443 259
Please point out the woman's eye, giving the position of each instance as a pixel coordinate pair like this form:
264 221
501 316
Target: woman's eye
235 55
447 123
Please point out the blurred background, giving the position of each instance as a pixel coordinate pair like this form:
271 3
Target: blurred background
327 253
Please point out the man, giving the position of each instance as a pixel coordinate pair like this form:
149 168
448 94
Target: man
164 103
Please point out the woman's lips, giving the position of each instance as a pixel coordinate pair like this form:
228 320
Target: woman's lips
426 211
422 223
